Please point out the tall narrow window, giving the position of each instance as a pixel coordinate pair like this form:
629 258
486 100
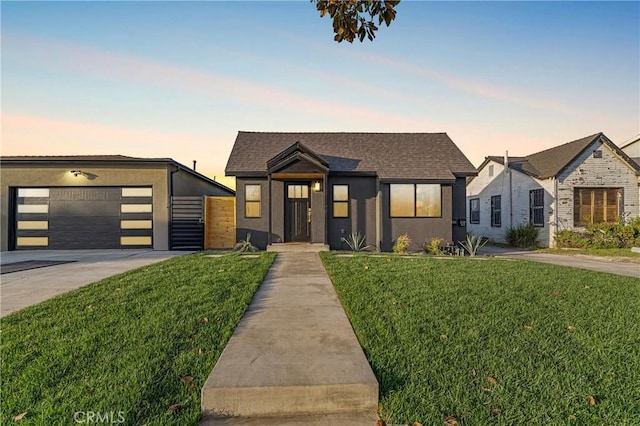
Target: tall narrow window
474 210
252 200
340 200
596 205
415 200
536 207
496 211
491 170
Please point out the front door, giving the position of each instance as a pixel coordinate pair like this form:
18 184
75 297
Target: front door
297 213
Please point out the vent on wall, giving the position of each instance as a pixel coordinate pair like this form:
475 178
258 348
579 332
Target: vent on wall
597 153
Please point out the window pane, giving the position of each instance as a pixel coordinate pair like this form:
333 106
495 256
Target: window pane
137 192
304 191
33 208
135 208
252 192
291 191
340 192
135 224
340 209
252 209
33 192
428 201
402 200
32 241
33 224
135 241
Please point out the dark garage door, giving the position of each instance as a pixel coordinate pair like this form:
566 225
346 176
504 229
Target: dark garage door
84 218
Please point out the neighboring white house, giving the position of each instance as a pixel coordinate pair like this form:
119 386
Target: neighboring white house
589 180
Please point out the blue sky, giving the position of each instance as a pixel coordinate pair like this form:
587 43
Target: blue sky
179 79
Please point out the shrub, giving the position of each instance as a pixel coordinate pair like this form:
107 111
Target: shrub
473 244
571 239
355 241
245 246
402 244
434 246
522 236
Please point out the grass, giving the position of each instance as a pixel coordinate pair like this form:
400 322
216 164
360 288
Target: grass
137 346
622 254
491 341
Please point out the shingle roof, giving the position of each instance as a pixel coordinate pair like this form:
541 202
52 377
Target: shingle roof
389 155
552 161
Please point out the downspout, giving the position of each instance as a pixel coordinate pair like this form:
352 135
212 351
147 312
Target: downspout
555 211
325 181
506 169
170 202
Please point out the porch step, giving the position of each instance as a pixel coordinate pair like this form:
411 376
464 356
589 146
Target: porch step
293 355
350 419
297 247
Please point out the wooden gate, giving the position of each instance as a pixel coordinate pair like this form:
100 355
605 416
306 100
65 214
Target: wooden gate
219 222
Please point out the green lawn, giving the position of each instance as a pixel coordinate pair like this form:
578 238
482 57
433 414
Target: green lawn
137 346
491 341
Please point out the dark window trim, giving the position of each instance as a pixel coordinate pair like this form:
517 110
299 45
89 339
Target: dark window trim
333 210
471 211
496 213
415 196
246 202
536 211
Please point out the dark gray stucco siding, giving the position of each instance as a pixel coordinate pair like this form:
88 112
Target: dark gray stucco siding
259 226
186 184
362 211
459 209
419 229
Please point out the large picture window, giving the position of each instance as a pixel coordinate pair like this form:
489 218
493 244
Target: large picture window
415 200
536 207
596 205
341 201
252 200
496 211
474 210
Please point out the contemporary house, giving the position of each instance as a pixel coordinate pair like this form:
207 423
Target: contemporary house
320 187
632 148
98 202
571 186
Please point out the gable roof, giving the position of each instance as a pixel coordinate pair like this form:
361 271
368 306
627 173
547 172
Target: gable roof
28 160
389 155
552 161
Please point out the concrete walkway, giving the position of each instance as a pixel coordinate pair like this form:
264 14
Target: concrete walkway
25 288
294 358
592 263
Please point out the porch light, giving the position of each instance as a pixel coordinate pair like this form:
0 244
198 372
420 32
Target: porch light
77 173
317 186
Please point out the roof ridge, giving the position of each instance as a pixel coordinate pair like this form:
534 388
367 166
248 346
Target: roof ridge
340 133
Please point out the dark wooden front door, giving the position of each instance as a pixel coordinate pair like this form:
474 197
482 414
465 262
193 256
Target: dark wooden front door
297 215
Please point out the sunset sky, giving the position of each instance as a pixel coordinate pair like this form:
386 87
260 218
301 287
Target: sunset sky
180 79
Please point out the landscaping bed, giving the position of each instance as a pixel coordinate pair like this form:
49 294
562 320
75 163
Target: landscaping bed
134 348
494 342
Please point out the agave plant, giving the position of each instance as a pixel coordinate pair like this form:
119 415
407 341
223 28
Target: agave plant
473 244
245 246
355 241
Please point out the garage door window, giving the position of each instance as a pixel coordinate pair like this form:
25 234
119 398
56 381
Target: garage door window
135 208
137 192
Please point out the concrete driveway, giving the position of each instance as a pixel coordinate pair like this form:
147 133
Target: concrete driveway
592 263
28 287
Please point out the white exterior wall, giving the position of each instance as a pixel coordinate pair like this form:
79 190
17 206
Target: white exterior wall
610 171
514 188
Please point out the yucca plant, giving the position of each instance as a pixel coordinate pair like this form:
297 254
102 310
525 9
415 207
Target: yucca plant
473 244
245 246
355 241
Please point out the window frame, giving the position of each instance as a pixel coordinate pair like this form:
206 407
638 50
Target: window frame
472 211
536 209
496 212
415 204
577 206
340 202
248 202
